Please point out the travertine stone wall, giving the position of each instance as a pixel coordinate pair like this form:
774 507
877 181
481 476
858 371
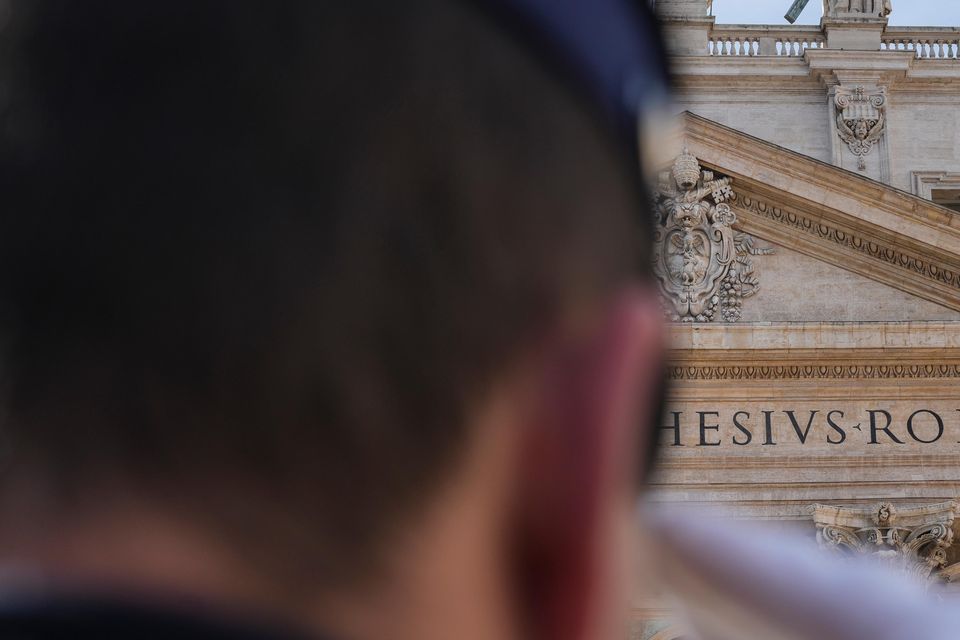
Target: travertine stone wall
799 125
924 135
795 287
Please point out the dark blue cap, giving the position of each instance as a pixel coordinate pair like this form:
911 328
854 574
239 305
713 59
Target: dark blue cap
610 49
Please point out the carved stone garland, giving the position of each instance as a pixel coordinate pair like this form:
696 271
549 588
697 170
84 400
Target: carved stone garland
861 120
913 540
703 264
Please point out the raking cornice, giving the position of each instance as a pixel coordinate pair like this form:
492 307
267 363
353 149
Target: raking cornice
833 215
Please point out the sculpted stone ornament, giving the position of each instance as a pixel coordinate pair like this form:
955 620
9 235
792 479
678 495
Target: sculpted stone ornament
913 540
861 120
703 264
866 8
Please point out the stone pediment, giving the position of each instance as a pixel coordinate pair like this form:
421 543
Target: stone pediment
836 382
895 243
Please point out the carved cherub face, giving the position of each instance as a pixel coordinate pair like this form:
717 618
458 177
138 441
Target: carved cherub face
861 129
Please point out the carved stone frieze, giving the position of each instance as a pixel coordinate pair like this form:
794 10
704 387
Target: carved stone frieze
704 266
889 371
913 540
861 119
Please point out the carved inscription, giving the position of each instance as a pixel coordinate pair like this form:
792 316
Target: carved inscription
770 426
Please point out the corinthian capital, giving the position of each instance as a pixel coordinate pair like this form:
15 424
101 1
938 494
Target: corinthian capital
913 540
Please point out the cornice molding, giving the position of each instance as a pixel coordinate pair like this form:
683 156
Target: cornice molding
926 363
924 272
675 462
816 339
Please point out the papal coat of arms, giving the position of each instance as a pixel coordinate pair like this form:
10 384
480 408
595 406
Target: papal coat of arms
702 263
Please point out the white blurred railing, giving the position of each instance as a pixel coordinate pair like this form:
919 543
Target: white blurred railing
933 43
747 40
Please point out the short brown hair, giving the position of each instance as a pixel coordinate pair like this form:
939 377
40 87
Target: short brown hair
261 259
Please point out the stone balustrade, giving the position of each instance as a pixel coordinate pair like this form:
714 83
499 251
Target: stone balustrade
762 40
933 43
929 43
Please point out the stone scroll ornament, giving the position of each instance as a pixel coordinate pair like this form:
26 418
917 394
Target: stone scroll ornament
702 263
861 120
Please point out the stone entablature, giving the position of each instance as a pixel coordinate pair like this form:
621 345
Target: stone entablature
764 431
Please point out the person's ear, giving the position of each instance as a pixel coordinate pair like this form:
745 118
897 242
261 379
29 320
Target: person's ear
580 471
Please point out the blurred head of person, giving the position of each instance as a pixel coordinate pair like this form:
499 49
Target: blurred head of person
325 313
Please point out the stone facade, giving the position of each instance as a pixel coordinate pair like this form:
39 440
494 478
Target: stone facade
821 389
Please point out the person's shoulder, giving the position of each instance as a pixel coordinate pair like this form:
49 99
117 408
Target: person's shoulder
63 618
